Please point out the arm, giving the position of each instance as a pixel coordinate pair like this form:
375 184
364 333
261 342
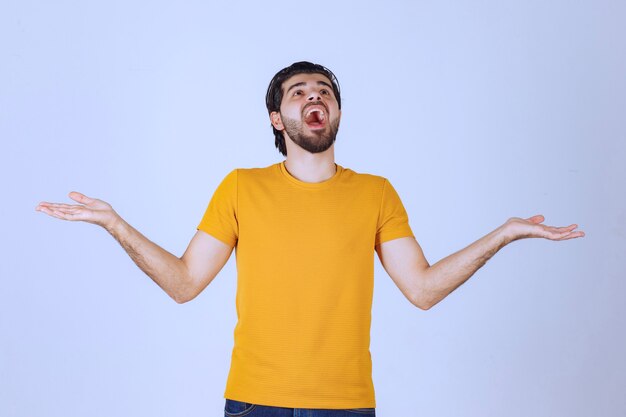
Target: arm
181 278
426 285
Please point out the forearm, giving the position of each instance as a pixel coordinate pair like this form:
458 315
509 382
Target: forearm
448 274
166 270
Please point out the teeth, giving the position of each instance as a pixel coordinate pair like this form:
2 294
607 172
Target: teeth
311 111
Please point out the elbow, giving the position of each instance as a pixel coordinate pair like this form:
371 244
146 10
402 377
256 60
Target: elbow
422 303
422 296
185 291
423 306
180 299
183 297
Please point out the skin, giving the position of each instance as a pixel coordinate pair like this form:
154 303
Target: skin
422 284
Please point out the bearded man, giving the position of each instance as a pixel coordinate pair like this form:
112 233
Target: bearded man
305 231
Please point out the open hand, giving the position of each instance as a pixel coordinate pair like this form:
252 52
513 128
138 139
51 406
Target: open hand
518 228
91 210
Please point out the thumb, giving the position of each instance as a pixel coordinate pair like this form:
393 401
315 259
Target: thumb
81 198
537 218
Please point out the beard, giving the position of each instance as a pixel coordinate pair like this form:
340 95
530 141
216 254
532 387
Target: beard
314 142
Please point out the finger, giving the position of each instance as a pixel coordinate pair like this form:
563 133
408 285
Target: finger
81 198
567 235
51 212
42 206
61 211
562 228
538 218
572 235
46 204
60 205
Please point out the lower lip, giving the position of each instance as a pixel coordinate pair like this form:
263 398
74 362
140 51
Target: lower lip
316 126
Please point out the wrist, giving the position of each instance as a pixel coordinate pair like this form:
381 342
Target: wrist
505 234
114 225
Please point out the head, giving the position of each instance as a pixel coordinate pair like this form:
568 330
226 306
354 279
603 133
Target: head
304 104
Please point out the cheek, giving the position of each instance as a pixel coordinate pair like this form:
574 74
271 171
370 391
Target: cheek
291 113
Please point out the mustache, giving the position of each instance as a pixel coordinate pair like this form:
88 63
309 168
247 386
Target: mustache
314 103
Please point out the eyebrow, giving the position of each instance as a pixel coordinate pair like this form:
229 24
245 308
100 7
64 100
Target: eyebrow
301 83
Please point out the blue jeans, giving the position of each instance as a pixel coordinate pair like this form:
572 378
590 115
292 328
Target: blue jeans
234 408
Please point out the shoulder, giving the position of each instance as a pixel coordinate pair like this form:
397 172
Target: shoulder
256 173
364 178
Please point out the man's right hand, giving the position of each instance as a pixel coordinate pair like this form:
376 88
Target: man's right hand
181 278
91 210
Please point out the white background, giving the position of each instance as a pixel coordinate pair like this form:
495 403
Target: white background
475 111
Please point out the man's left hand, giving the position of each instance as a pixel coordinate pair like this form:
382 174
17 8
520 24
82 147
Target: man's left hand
517 228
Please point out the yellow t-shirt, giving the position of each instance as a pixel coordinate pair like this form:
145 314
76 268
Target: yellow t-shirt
305 281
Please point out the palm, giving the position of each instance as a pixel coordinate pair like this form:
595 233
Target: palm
90 210
519 228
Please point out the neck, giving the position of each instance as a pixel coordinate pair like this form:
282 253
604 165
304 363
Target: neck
311 167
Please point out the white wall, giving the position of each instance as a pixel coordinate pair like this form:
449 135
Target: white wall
475 111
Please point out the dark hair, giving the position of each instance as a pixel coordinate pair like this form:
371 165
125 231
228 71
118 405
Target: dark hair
274 95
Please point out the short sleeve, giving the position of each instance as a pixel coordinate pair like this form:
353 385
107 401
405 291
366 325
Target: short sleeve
220 218
393 221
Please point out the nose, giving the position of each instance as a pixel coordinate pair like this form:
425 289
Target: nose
314 96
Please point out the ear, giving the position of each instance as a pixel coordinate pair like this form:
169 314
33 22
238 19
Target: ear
276 120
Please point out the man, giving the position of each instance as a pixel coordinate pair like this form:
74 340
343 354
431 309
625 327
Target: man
304 231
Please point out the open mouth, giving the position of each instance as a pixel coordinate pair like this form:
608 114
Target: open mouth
315 118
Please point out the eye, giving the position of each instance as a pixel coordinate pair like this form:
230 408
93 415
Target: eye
324 91
297 93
